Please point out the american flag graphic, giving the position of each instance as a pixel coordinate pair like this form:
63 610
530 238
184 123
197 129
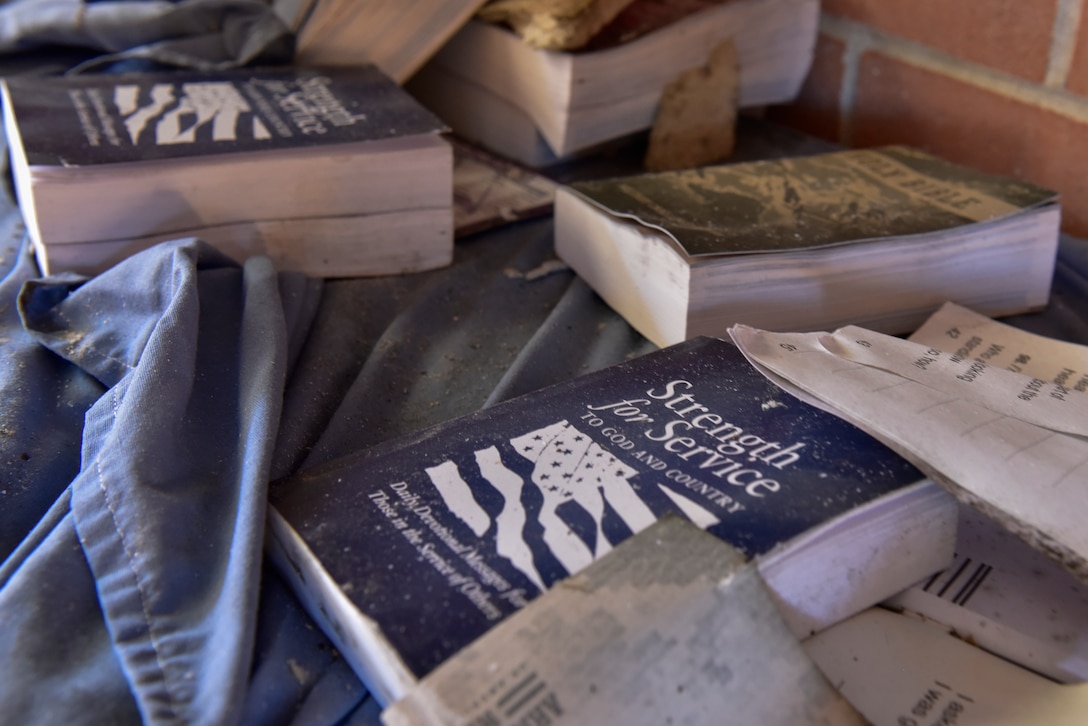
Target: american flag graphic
176 118
569 469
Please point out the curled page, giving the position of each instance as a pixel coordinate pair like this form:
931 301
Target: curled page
968 334
1012 445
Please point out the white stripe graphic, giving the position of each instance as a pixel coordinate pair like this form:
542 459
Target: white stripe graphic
700 516
458 498
570 466
510 523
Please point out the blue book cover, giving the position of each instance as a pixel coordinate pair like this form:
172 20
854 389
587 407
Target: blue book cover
439 535
95 119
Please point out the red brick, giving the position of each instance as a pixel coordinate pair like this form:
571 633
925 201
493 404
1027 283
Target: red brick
1013 36
899 103
816 108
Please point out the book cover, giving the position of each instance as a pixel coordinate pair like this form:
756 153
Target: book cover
440 535
90 120
811 201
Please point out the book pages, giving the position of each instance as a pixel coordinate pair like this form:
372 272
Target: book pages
1001 595
967 334
899 671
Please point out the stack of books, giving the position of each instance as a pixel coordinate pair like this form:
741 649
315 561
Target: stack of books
330 172
539 105
484 569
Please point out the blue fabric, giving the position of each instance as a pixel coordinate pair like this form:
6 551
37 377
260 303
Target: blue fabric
203 34
44 399
155 548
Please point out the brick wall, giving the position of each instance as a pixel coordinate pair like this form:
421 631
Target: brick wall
1001 85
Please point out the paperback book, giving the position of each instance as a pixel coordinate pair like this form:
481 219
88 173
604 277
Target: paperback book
331 172
577 100
398 36
878 238
410 550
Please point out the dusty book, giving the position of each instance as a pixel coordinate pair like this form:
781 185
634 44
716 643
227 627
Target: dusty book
878 238
331 172
672 626
410 550
575 101
398 36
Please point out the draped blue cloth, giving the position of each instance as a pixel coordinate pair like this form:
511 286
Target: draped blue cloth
201 34
176 359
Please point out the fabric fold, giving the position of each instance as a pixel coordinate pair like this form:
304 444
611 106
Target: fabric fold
169 503
204 34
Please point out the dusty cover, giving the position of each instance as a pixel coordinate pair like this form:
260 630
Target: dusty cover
440 535
812 201
75 121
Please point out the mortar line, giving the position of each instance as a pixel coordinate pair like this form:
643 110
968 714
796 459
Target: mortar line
854 44
1056 100
1063 43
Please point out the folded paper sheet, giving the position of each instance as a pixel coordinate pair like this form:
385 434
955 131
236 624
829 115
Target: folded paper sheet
1013 445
